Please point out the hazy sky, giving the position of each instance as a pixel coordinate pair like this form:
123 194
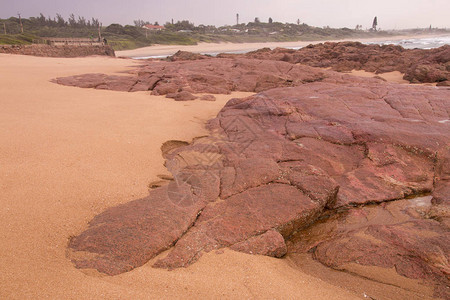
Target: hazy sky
392 14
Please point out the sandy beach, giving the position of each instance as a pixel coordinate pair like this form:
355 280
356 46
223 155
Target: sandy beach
67 154
166 50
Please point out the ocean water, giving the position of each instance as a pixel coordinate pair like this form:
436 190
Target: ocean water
421 43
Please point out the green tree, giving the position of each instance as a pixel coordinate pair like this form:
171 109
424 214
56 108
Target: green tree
41 20
72 21
81 22
95 23
60 21
139 23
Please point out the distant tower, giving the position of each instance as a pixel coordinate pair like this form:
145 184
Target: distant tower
237 19
20 22
100 32
375 24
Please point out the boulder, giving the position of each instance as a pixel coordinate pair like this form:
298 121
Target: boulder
185 55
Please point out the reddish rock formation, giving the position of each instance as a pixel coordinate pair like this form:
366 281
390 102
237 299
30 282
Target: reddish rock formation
273 163
129 235
270 243
444 83
197 73
185 55
57 51
276 162
418 65
209 75
397 236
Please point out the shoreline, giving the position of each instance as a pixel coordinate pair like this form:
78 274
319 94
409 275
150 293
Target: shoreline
167 50
69 153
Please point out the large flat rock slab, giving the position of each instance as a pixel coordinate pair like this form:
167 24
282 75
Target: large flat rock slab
274 164
209 75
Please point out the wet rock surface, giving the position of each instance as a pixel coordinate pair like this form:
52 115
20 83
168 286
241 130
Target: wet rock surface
279 163
401 237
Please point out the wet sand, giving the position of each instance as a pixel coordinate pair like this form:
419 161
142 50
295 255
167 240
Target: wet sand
67 154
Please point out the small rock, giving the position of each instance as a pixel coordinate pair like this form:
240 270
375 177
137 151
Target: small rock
208 98
181 96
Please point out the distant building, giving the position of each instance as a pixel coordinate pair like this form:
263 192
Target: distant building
153 27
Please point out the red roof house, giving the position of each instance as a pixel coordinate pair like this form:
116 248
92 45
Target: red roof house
153 27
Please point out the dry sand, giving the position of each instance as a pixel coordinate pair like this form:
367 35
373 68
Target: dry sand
165 50
395 76
67 154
